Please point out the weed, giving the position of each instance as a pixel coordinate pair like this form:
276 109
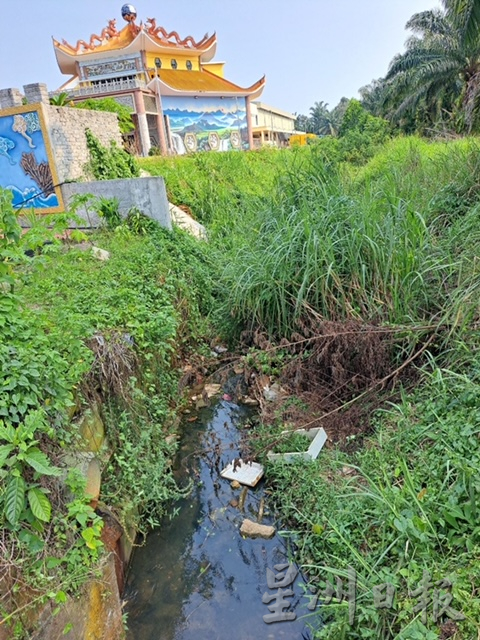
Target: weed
110 164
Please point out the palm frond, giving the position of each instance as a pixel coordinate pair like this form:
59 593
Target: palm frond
465 14
429 23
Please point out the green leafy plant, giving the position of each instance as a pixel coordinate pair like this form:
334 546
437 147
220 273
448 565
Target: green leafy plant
109 210
9 237
139 223
112 163
61 99
20 456
109 104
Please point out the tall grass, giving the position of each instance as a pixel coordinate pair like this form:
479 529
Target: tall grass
385 242
348 251
215 186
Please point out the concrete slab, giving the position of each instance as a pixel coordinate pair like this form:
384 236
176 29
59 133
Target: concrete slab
147 194
186 222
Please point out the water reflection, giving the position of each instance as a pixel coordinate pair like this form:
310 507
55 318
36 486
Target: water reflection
196 577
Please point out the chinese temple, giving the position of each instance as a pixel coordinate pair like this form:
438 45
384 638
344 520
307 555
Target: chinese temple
178 95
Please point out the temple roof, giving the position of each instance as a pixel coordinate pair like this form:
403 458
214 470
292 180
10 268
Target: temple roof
175 82
131 39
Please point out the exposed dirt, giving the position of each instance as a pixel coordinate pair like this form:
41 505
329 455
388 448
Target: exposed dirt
339 373
448 630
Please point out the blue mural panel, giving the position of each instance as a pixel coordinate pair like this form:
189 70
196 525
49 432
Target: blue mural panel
24 162
207 124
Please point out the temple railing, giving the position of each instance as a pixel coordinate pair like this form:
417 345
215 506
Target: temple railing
106 86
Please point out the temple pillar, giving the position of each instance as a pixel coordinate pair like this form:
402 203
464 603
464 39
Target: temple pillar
249 122
161 133
162 137
143 131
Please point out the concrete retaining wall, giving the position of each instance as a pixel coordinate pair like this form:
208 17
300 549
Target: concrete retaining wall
95 615
147 194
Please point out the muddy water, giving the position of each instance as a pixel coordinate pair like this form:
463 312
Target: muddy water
197 578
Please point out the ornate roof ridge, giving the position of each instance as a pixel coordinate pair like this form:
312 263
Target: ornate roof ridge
157 34
109 32
152 30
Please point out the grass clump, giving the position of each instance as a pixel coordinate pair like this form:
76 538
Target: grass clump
404 504
347 252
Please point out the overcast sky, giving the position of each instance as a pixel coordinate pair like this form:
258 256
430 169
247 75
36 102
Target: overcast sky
310 50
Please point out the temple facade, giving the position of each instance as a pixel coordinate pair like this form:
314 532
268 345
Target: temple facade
178 95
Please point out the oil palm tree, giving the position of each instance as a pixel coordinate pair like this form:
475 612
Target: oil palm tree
466 13
321 119
440 67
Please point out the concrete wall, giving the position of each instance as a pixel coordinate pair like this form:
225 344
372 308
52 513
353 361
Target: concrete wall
271 118
66 130
147 194
95 615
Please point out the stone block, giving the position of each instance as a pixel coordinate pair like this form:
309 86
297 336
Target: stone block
10 98
95 615
250 529
92 430
36 92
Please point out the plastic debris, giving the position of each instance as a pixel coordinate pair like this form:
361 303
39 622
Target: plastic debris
247 473
318 437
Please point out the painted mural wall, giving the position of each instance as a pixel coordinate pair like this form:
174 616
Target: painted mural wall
206 124
26 165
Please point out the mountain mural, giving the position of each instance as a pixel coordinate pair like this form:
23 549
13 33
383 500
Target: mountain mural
225 118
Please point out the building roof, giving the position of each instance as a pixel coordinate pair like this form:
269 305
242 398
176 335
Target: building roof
131 39
176 82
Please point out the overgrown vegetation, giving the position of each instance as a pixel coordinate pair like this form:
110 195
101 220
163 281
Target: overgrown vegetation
81 335
354 282
110 164
405 504
111 105
348 270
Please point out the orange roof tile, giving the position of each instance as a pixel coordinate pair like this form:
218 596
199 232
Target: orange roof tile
203 82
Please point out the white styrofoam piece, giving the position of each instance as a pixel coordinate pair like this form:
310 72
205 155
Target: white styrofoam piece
248 473
317 444
288 457
318 437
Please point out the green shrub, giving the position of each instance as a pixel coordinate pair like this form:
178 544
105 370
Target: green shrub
146 308
111 105
110 164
